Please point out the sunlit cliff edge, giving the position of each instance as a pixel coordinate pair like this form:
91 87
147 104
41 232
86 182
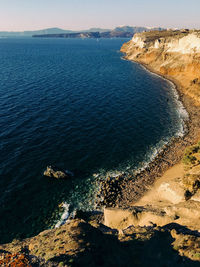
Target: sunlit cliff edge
175 54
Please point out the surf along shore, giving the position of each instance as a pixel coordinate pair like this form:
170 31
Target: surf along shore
130 188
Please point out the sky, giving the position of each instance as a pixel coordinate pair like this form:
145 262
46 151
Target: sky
20 15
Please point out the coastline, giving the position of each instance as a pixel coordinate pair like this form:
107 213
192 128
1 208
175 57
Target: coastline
132 190
148 214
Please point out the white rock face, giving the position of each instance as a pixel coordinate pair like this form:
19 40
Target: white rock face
185 45
157 44
138 41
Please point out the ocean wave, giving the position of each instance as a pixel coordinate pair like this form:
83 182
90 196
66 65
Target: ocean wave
151 154
64 216
182 112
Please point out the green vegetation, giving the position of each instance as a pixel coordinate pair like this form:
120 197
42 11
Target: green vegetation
191 179
192 155
197 255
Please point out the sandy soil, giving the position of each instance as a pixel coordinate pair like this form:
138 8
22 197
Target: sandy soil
166 189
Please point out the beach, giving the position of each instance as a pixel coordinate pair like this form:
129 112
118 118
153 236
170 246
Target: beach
134 187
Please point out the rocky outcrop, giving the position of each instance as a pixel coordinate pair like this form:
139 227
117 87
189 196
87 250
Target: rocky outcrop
175 54
81 243
57 173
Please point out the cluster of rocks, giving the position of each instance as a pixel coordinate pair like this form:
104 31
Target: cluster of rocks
125 188
110 191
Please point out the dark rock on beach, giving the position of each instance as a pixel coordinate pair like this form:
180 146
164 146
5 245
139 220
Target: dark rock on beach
110 191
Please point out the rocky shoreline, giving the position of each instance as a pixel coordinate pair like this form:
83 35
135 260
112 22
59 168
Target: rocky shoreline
128 189
161 227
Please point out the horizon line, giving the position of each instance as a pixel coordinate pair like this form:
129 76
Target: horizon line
93 27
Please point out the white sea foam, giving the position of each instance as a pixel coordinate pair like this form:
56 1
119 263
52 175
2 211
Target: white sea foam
64 216
182 129
151 155
182 112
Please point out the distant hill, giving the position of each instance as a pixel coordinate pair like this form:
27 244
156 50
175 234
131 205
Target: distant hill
30 33
56 31
96 30
136 29
110 34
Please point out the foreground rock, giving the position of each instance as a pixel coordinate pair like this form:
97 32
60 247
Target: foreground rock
81 243
53 171
15 259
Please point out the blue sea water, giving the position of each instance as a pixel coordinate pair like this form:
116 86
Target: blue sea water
77 104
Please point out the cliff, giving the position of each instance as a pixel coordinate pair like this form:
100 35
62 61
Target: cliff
175 54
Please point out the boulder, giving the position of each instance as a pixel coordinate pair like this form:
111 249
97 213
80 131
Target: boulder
52 171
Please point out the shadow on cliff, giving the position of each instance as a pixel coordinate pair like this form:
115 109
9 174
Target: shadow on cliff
100 249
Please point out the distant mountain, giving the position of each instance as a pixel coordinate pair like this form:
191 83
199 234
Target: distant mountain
30 33
136 29
97 30
56 31
70 35
110 34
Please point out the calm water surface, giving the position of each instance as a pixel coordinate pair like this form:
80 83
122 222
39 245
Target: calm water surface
74 103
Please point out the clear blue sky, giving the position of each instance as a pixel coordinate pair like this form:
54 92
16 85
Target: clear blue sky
82 14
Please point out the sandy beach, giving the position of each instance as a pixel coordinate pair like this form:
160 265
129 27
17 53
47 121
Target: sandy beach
134 188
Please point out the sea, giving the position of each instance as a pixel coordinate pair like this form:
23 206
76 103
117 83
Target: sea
76 104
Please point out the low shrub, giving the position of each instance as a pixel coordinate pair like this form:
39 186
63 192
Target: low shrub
192 155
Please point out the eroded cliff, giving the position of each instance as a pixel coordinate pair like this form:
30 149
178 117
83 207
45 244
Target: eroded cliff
175 54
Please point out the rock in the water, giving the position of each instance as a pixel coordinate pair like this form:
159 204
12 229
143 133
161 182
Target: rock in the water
52 171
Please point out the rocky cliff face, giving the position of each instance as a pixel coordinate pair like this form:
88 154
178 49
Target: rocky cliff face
175 54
